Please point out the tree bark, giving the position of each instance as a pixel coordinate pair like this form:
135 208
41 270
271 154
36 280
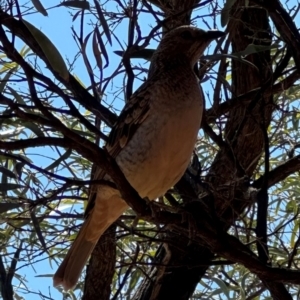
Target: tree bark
235 162
101 267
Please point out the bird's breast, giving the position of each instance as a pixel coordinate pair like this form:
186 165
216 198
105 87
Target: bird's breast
159 152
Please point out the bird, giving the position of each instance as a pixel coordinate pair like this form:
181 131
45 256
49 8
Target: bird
152 140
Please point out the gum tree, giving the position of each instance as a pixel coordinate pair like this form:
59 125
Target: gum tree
229 229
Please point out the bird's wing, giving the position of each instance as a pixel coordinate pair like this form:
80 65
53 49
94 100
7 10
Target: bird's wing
134 113
132 116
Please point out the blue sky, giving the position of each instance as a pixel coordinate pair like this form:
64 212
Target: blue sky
57 27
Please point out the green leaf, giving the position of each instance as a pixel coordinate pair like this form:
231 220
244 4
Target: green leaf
52 54
18 168
96 51
103 21
84 56
11 132
7 172
102 46
252 48
76 4
39 7
45 275
223 288
237 56
16 156
17 96
59 160
143 53
4 177
17 296
34 128
135 277
4 81
225 13
37 228
8 66
25 49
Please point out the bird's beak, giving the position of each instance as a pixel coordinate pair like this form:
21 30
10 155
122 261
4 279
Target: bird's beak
214 34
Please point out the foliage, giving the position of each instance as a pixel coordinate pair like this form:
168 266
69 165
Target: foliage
238 206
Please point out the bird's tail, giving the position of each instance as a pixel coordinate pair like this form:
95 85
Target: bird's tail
70 269
104 213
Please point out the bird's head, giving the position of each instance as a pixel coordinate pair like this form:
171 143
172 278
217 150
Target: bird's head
184 43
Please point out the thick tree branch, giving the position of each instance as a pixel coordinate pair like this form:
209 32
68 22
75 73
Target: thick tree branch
278 291
217 241
215 112
35 142
220 243
285 26
280 173
6 286
41 120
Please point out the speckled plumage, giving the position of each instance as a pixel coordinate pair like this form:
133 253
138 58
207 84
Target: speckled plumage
152 140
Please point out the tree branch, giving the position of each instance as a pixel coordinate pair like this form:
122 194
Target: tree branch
82 96
280 173
213 113
35 142
285 26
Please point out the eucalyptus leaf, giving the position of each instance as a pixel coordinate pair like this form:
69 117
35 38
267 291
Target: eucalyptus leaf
76 4
142 53
59 160
5 79
34 128
7 172
37 228
225 12
17 97
103 21
44 275
102 46
39 7
223 287
252 48
96 51
11 132
53 56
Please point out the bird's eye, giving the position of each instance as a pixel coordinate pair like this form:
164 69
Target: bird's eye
187 35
